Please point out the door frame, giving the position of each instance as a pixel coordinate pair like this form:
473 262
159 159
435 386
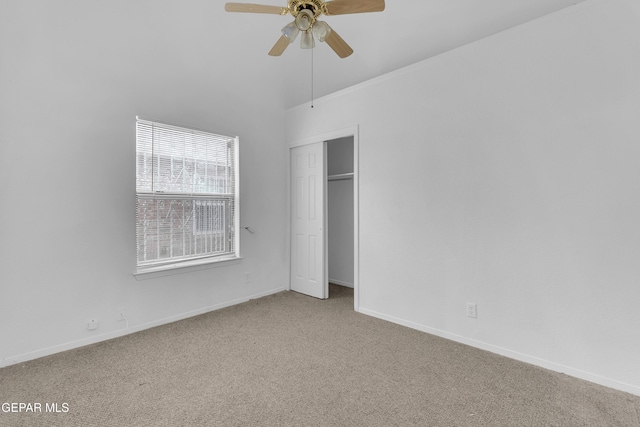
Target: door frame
352 131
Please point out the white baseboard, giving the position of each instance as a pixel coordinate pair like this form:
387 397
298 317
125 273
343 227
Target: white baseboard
597 379
341 283
12 360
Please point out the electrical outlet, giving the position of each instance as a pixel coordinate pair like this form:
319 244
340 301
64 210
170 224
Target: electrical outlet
92 325
472 310
122 314
247 277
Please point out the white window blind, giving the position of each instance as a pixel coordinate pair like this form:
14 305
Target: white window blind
186 194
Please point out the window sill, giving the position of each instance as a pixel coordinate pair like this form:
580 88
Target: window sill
143 273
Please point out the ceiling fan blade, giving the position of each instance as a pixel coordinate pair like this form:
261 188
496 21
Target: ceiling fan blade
343 7
338 45
255 8
280 46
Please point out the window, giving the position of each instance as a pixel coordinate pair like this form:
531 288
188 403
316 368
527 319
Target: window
186 196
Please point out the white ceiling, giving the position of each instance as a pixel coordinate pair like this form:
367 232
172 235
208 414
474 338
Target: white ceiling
195 50
404 33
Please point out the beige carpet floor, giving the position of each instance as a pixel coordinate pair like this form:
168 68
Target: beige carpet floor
291 360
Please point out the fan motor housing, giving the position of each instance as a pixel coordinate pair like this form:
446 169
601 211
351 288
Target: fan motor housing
314 6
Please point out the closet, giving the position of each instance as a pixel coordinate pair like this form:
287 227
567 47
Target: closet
323 216
340 205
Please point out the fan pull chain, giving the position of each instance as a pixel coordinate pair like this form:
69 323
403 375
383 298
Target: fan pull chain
312 49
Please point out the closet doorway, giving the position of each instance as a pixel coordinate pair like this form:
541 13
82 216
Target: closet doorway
324 214
340 221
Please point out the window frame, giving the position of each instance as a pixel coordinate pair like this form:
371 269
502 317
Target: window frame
231 239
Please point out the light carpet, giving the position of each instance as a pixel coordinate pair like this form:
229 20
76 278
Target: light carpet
292 360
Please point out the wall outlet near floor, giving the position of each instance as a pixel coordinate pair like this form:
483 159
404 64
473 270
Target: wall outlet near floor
247 277
92 325
472 309
122 314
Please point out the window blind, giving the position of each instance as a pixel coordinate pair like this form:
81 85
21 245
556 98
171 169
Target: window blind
186 187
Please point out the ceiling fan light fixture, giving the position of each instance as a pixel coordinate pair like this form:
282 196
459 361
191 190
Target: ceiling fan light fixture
304 20
306 41
290 31
321 30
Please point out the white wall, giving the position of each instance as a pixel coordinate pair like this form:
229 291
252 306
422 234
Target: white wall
340 212
506 173
73 77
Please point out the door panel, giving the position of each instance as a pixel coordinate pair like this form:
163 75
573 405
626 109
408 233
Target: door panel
308 177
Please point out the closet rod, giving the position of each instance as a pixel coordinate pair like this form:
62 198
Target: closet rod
340 176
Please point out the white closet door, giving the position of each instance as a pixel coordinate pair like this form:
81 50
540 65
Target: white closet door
308 182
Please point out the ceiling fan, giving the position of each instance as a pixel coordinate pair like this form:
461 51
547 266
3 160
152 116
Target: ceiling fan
306 14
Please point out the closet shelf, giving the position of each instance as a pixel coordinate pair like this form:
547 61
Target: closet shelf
340 176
